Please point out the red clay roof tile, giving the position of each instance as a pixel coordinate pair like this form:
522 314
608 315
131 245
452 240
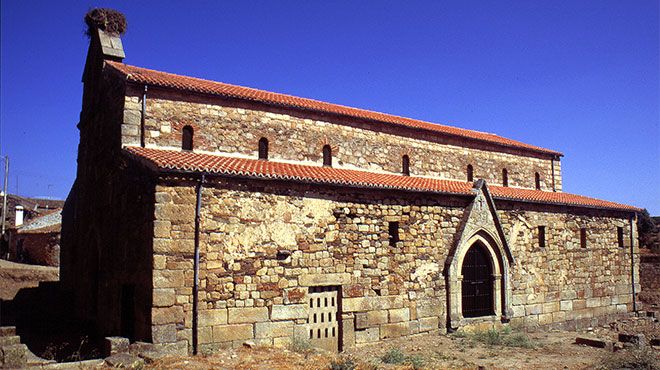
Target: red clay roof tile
183 161
173 81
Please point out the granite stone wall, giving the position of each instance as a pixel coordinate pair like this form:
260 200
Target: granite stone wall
224 127
263 244
564 282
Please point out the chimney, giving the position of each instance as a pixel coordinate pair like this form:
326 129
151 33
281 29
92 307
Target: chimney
19 216
104 28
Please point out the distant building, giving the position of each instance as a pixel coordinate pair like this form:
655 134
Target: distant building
37 242
21 210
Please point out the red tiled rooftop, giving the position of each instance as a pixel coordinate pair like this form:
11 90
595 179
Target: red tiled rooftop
173 81
173 160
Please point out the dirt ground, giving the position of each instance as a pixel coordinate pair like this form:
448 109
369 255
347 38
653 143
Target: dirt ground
549 350
16 276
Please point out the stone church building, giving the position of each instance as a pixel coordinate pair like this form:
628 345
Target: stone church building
208 214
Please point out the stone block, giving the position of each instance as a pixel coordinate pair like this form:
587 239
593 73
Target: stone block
361 321
273 329
205 334
247 315
429 308
124 360
428 323
551 307
579 304
164 297
227 333
399 314
289 312
162 229
566 305
112 345
367 336
213 317
559 316
167 315
6 331
534 309
324 279
593 302
348 331
375 318
372 303
394 330
163 333
518 311
168 278
13 356
545 319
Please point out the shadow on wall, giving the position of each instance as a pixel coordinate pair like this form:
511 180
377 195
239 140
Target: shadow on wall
44 321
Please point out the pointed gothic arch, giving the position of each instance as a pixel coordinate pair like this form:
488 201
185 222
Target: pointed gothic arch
481 227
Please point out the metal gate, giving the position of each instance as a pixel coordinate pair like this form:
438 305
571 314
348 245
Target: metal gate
477 287
324 317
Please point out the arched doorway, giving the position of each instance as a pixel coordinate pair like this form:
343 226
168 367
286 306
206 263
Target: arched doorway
477 284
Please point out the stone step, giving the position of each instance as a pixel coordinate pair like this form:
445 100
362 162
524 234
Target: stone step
7 341
6 331
13 356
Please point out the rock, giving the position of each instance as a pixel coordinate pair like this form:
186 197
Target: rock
125 360
13 356
114 345
249 344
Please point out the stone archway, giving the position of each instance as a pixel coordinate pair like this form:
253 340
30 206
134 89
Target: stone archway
499 271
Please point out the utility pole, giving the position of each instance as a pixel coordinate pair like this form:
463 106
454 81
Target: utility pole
4 198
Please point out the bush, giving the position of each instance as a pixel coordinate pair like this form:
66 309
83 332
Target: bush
300 345
394 356
344 363
504 337
397 357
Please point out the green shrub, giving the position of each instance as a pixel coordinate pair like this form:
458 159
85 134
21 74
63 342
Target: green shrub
416 361
505 337
394 356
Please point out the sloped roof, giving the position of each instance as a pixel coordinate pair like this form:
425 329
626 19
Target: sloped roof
48 223
190 162
177 82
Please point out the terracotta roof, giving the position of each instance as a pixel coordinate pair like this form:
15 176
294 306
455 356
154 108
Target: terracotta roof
173 81
180 161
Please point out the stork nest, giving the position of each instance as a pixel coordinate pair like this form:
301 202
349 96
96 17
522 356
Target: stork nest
108 20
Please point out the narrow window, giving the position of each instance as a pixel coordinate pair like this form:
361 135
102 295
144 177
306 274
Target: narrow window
505 177
394 233
542 236
619 236
263 148
187 138
405 164
470 173
327 156
583 237
537 181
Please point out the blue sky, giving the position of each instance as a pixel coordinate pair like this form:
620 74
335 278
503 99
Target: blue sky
581 77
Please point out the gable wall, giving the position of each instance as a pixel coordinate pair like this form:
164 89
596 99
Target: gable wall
225 127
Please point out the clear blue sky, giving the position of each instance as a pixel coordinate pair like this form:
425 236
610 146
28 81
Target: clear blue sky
578 76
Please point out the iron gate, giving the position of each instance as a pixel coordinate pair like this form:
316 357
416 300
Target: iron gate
324 317
477 287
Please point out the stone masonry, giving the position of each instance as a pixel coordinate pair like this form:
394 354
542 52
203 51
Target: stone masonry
283 253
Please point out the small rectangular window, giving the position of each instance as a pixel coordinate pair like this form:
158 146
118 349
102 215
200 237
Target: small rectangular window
542 236
394 233
583 237
619 235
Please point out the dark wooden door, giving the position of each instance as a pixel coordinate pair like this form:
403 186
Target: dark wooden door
477 283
